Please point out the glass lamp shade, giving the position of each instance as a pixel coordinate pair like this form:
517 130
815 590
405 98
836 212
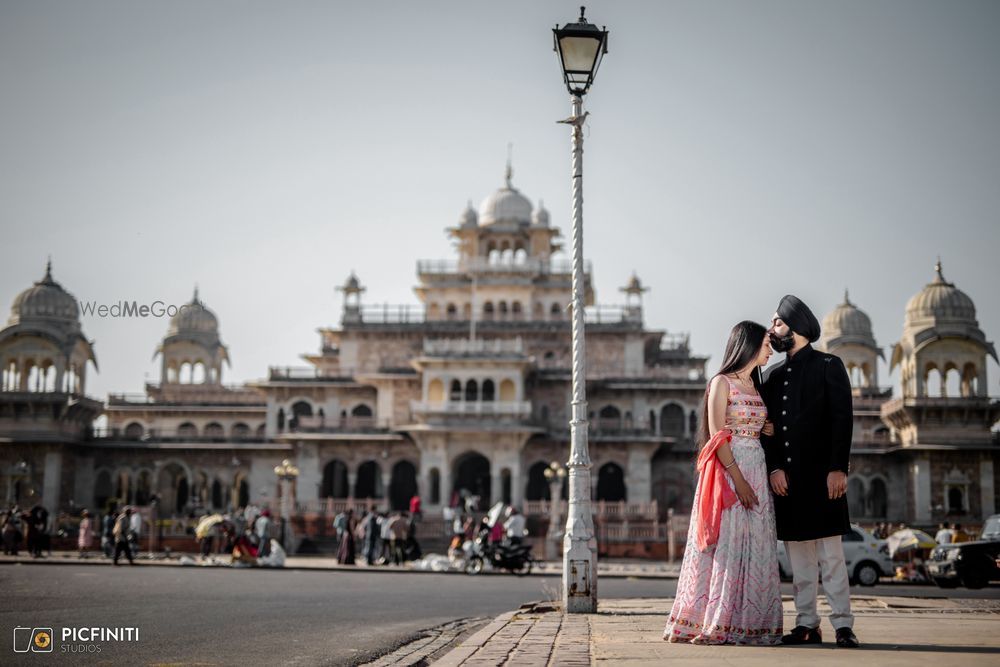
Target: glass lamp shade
581 47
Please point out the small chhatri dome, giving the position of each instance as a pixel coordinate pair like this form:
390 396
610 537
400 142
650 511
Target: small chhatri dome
634 285
193 317
847 320
505 205
540 218
352 285
469 217
45 300
940 300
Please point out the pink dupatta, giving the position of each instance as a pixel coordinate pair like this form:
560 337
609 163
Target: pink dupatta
716 494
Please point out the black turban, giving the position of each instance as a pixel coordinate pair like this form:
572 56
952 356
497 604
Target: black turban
798 317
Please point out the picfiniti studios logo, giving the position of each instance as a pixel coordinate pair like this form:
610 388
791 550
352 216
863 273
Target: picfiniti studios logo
73 640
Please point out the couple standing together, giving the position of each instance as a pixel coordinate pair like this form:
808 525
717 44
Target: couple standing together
773 465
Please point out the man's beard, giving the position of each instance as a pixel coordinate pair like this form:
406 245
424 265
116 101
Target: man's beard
782 343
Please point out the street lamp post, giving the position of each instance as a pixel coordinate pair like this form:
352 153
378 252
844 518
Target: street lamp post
580 47
555 474
287 474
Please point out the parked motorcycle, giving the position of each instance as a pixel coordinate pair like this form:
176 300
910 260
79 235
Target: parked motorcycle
515 558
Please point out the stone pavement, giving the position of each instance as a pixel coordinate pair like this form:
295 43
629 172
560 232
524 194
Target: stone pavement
893 631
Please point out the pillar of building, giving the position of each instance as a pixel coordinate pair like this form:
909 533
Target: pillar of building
52 481
987 485
921 474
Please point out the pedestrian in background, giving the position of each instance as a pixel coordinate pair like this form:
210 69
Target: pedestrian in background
120 533
86 536
345 552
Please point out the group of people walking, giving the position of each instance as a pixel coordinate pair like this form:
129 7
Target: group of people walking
773 464
30 527
385 538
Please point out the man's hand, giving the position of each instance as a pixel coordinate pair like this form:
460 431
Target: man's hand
779 483
768 428
836 484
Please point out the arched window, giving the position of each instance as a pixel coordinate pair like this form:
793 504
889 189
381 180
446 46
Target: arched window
334 483
507 390
133 431
488 311
956 501
878 499
456 391
472 477
369 481
516 311
555 312
217 501
215 432
187 430
489 390
471 391
672 420
610 419
611 483
403 485
299 409
241 431
435 391
932 381
452 311
538 486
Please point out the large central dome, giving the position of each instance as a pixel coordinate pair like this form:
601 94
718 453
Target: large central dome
505 205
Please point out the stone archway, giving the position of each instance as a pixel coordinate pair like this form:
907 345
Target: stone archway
611 483
334 483
471 474
403 485
173 487
369 481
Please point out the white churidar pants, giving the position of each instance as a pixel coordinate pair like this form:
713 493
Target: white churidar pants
806 559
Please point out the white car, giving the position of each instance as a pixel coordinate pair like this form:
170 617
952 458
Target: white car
867 559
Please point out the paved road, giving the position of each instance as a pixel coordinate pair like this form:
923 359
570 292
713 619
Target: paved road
224 616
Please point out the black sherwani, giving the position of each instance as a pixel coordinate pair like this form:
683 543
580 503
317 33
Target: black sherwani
808 397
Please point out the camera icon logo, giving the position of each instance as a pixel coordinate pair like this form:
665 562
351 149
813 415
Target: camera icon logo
36 640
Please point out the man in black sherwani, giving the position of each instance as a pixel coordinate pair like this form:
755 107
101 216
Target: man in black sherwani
808 397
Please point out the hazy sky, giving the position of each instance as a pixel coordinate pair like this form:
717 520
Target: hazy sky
736 151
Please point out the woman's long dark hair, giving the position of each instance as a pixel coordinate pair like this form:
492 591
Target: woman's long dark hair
744 343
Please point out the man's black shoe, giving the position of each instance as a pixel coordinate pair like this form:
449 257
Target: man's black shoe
803 635
846 638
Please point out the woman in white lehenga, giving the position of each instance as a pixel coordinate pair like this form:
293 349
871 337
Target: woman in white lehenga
728 591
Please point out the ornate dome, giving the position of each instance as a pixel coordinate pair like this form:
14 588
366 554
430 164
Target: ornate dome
469 217
540 218
847 320
505 205
941 300
45 300
193 317
847 324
